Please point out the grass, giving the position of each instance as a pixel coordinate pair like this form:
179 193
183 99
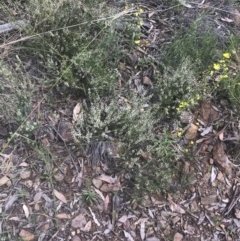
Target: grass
78 47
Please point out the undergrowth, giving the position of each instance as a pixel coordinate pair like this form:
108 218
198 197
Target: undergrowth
79 44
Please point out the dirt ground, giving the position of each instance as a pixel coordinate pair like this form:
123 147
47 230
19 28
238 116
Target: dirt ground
42 200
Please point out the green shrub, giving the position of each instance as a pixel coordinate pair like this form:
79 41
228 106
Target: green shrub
117 131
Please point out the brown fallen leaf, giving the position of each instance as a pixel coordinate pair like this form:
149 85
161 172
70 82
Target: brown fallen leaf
106 202
175 207
63 216
228 20
178 237
26 236
26 210
87 227
220 158
76 112
79 221
236 17
59 196
4 180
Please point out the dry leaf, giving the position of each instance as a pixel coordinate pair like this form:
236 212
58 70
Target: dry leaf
79 221
185 4
128 236
26 210
60 196
108 179
236 17
142 230
63 216
207 130
76 111
228 20
221 135
4 180
26 236
202 6
106 202
220 158
87 227
178 237
12 199
99 193
174 207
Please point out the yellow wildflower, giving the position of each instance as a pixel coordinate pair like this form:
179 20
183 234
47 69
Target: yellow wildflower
222 61
226 69
137 42
216 66
197 123
186 150
136 14
211 72
191 142
140 10
141 23
221 76
234 74
227 55
179 134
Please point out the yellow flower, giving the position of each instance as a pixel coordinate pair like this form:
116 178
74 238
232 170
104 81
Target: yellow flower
226 69
186 150
141 23
140 10
234 74
136 14
211 72
137 42
222 61
221 76
191 142
227 55
197 123
179 134
216 66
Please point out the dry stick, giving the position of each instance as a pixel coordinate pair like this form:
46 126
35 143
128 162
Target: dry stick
40 102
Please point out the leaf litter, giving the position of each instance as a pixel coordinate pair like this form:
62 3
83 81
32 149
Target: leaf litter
214 193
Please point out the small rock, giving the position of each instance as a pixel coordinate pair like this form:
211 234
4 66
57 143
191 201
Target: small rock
97 183
191 132
208 199
177 237
25 175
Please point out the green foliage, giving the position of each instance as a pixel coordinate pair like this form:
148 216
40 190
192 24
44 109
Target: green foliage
179 88
88 195
197 45
130 128
75 42
16 96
